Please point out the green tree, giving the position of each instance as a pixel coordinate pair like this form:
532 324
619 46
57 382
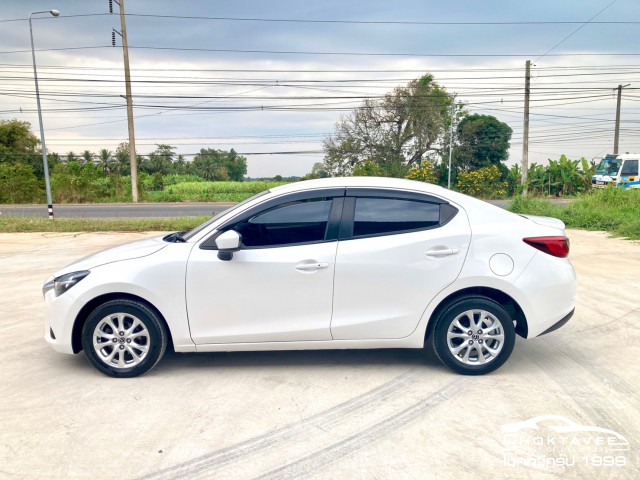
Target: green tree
236 166
180 165
19 145
367 169
395 133
70 157
122 159
481 141
218 165
159 161
87 156
317 171
16 141
18 184
104 161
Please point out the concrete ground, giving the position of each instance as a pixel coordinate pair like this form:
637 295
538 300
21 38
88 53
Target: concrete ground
384 414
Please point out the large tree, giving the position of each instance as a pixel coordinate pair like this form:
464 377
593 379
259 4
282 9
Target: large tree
17 143
481 141
394 133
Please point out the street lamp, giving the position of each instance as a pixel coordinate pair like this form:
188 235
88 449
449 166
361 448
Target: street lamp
55 13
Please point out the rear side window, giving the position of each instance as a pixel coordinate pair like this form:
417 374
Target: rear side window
380 216
295 222
630 168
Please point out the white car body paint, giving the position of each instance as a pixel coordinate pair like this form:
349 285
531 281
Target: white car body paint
375 292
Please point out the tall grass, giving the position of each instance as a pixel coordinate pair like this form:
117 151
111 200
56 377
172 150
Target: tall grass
210 191
613 210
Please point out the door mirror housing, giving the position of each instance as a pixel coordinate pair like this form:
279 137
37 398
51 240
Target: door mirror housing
228 243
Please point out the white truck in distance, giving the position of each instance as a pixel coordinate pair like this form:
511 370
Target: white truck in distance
617 170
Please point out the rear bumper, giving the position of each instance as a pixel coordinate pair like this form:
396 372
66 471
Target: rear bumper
559 323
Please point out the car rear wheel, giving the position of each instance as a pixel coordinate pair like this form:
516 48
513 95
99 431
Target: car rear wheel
474 335
124 338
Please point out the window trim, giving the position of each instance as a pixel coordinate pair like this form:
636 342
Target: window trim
335 195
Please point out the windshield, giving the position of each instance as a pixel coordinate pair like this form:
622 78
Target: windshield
608 166
204 225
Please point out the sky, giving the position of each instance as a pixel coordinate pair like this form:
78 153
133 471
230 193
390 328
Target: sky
271 79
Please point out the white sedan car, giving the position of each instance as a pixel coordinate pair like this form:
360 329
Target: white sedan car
322 264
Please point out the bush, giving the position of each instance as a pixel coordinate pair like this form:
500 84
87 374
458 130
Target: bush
18 184
484 183
426 172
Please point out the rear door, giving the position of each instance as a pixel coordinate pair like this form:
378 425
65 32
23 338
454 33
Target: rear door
396 251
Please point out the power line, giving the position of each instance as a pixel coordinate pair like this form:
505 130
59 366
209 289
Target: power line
358 54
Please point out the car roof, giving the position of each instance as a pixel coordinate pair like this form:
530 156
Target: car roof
367 182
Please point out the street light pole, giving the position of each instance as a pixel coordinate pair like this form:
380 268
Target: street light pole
55 13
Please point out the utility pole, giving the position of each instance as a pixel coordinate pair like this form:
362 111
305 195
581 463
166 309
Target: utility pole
525 130
616 137
127 78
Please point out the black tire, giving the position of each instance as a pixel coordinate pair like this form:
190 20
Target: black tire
136 345
493 338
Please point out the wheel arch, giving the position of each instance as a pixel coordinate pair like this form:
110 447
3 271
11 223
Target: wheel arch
506 301
90 306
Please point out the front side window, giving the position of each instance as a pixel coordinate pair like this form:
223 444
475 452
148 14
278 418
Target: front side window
380 216
608 166
303 221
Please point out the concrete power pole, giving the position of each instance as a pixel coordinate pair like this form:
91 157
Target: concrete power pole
616 137
127 77
525 130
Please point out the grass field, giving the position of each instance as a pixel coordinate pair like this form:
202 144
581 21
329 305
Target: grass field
613 210
209 191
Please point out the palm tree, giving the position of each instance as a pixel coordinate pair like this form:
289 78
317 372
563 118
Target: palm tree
70 157
104 161
87 156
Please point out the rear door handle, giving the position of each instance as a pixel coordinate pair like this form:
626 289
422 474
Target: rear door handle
311 266
442 252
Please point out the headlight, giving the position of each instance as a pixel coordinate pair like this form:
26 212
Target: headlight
64 282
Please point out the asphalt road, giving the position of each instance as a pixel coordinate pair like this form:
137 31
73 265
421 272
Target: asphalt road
117 210
127 210
565 405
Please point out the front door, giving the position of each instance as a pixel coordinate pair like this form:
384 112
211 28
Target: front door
277 288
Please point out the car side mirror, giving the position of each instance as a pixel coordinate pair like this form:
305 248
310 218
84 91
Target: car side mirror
228 243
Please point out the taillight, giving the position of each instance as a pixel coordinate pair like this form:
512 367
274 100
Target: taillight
556 246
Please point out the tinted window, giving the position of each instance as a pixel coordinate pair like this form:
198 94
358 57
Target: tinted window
289 223
630 167
374 216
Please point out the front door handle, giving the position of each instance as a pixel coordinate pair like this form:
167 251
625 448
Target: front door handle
311 266
442 252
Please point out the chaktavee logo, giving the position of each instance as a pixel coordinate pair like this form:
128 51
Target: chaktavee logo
554 441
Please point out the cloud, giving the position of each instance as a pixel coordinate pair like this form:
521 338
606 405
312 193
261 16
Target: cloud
572 96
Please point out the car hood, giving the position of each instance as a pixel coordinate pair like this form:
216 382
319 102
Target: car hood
128 251
546 221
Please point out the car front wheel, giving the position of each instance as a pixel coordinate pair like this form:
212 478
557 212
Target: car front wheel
474 335
124 338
